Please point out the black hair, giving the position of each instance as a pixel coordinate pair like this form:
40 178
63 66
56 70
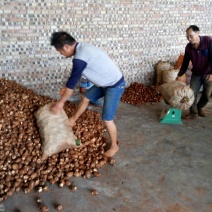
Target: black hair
194 28
59 39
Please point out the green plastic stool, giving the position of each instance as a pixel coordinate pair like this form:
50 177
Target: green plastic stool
171 116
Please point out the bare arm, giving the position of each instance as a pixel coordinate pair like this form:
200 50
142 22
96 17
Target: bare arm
65 94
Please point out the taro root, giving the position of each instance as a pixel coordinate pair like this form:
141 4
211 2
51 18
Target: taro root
45 188
67 183
137 94
61 183
39 200
94 192
39 189
111 161
73 187
97 174
44 208
21 164
59 207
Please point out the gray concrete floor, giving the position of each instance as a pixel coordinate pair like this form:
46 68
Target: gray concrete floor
159 168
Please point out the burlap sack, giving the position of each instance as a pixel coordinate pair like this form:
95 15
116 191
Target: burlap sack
55 131
160 67
170 75
177 94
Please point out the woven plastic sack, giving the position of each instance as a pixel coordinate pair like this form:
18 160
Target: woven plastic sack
177 94
55 131
160 67
179 61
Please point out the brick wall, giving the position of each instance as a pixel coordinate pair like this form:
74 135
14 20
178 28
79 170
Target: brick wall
136 34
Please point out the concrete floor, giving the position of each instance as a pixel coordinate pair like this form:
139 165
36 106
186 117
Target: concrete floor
159 168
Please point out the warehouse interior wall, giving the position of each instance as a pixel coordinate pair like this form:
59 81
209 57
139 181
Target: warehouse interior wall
136 34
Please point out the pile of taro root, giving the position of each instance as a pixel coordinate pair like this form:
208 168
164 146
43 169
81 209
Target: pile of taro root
21 166
137 94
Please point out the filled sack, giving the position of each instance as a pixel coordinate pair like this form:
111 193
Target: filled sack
179 61
170 75
160 67
177 94
55 131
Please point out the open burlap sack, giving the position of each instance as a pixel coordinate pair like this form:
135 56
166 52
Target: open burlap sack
177 94
170 75
160 67
55 131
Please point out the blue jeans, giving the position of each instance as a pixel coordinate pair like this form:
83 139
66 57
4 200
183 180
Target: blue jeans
195 84
111 98
99 102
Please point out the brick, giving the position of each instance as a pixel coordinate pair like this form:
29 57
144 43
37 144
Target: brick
136 34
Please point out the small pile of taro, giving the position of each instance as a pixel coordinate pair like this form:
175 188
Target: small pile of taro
21 166
137 94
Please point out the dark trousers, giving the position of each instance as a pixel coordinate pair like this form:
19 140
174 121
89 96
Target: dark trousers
195 84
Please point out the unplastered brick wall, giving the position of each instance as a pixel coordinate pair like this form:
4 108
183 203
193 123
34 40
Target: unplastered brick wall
136 34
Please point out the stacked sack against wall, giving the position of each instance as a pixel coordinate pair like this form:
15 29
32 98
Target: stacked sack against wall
178 64
167 73
176 93
161 66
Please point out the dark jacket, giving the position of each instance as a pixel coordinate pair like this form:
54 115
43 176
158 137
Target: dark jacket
201 58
